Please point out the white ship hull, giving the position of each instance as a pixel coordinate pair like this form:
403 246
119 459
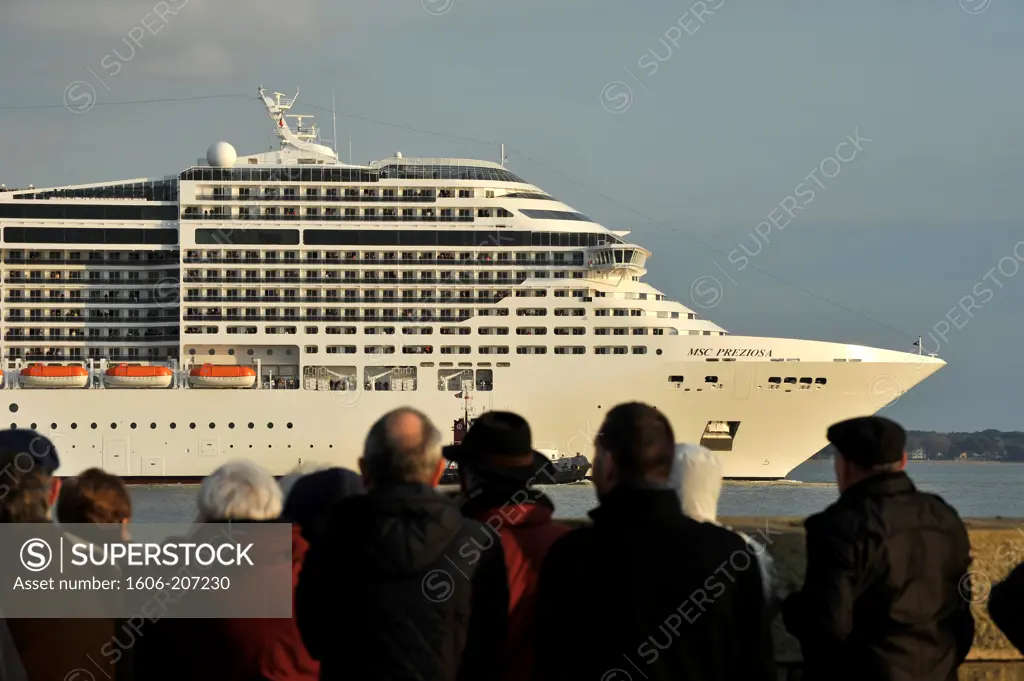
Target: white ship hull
409 281
564 398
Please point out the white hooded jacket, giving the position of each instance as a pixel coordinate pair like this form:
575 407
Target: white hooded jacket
697 477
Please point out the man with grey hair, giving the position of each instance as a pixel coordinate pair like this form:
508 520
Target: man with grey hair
239 490
399 584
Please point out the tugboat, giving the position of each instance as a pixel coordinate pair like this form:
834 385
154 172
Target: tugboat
564 469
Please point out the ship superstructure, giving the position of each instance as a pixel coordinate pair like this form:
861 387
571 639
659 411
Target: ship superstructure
273 306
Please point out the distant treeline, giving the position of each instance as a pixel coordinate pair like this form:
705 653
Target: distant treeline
989 445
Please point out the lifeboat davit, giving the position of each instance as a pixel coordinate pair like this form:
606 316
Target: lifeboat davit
138 376
54 376
222 376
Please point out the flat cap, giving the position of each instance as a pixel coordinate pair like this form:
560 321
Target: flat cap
38 446
869 440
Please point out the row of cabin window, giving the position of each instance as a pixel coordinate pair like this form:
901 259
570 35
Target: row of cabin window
397 238
339 258
445 330
773 379
246 192
792 380
483 350
57 354
133 426
274 211
465 330
520 312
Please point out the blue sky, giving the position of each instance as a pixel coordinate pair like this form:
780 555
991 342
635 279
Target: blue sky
744 104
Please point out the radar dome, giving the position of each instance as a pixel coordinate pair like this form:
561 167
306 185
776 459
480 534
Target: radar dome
221 155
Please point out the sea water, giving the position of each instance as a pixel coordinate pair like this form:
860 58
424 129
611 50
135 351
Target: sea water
975 489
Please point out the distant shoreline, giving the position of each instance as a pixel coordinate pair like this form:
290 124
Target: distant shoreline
944 461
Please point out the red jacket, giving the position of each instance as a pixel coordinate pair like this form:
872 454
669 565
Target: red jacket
231 649
527 532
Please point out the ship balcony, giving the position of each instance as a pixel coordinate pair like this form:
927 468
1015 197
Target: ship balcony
111 357
354 262
92 340
424 318
279 217
489 300
625 257
93 320
315 198
338 281
102 302
50 282
92 262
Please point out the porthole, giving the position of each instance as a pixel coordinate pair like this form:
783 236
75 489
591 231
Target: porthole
192 426
191 351
658 351
270 425
53 426
74 426
288 352
93 426
14 426
250 446
134 425
211 351
249 352
173 426
231 425
251 425
13 408
289 424
231 351
152 426
113 426
270 351
33 426
311 446
212 426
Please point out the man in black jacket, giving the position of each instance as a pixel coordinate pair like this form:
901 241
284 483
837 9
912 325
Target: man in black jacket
399 585
649 593
886 595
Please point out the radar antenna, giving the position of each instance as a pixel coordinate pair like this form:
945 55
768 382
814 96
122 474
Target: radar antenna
303 139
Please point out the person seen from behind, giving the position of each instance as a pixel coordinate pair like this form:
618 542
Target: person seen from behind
400 585
886 594
28 461
310 496
98 498
697 475
656 591
497 470
242 494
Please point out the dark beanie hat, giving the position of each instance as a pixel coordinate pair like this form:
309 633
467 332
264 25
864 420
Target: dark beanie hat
869 440
24 441
311 497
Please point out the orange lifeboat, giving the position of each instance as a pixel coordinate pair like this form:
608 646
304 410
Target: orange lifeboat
54 376
222 376
138 376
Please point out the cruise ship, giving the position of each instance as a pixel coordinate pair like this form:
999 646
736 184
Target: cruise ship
272 306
